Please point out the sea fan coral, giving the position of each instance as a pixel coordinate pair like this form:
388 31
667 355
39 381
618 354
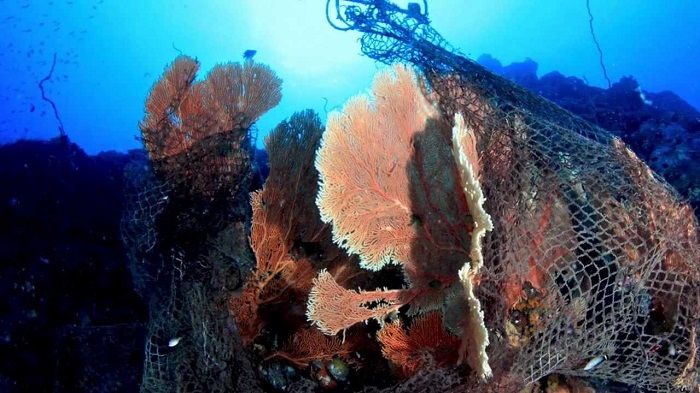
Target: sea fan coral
390 187
400 185
195 132
426 344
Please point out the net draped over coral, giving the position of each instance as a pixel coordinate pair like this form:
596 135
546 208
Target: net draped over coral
185 223
592 265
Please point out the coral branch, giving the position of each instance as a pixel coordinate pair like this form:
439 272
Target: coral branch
475 337
61 131
308 345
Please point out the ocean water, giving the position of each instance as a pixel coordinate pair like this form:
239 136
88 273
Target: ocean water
124 48
178 177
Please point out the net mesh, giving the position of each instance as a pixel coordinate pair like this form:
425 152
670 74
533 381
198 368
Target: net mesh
145 198
184 223
592 266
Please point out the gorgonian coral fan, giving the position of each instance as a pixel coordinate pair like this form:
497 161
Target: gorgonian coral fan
195 132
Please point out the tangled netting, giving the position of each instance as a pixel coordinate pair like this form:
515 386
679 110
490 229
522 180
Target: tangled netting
592 267
190 342
198 133
184 222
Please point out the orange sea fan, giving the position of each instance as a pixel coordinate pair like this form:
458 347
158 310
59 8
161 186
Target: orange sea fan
180 111
286 287
242 92
391 189
425 342
311 344
195 132
285 225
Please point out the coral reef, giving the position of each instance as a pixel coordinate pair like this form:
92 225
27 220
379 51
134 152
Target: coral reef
449 231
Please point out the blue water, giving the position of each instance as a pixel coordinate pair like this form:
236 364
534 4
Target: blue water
109 53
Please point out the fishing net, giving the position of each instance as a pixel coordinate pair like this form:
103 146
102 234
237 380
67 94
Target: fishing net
592 265
184 225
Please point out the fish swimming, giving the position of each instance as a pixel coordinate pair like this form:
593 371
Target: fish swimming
248 55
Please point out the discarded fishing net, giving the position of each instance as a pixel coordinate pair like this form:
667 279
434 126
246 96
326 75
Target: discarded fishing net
592 265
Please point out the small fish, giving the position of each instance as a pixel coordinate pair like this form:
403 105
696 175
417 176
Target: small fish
248 55
174 341
672 350
593 363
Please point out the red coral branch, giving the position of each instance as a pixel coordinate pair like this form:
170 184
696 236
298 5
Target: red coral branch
426 341
308 345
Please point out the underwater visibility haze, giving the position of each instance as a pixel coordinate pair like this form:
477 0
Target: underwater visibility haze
349 195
